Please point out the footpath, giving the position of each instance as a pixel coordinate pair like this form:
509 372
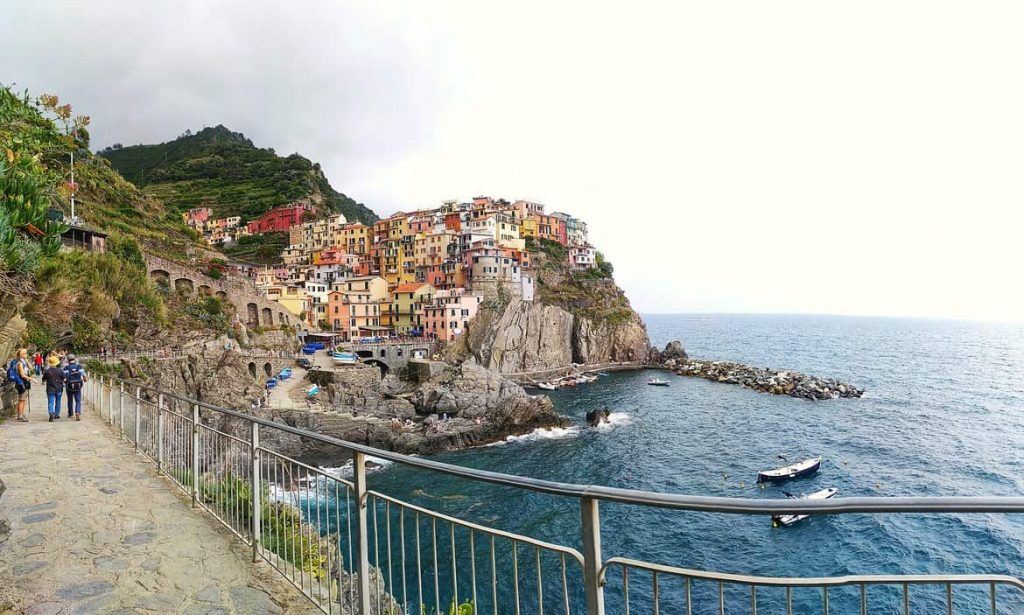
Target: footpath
93 529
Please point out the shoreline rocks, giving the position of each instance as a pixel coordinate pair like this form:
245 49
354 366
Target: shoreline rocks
763 379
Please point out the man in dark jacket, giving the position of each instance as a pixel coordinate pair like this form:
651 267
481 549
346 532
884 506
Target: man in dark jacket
55 380
74 379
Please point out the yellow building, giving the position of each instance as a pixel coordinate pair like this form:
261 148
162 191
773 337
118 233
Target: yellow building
354 238
291 298
407 301
528 228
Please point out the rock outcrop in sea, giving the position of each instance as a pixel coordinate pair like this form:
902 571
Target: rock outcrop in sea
776 382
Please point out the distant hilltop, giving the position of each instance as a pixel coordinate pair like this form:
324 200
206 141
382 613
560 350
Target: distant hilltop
224 171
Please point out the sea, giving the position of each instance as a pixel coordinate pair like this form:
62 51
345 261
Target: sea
943 415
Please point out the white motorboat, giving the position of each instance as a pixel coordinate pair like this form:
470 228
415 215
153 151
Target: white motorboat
824 494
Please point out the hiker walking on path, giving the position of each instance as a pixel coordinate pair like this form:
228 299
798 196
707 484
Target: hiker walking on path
54 379
74 378
19 372
38 361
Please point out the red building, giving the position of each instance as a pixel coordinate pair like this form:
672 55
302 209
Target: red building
279 219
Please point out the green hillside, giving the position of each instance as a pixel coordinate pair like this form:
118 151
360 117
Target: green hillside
223 170
73 298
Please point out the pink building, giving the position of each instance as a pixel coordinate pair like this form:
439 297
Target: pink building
447 316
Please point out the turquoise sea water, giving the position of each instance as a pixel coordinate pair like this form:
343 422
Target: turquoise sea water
944 415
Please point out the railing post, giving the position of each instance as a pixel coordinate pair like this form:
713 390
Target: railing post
120 408
110 402
159 429
363 545
195 453
591 518
138 417
257 494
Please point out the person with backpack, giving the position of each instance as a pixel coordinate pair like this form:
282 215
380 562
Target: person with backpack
19 372
54 379
74 378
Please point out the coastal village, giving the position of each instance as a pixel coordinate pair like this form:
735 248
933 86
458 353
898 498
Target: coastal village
421 274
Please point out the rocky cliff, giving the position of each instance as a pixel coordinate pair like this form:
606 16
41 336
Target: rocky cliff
12 325
455 407
524 337
582 318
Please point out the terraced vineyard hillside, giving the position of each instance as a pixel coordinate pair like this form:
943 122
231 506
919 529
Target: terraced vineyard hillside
225 171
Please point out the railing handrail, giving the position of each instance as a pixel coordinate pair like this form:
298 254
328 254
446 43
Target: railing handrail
873 504
849 579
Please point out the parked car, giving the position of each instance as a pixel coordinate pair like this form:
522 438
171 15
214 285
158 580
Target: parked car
304 363
271 383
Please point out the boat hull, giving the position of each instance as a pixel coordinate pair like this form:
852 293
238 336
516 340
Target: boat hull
768 477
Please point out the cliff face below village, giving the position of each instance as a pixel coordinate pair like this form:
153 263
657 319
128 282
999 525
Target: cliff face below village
525 337
582 318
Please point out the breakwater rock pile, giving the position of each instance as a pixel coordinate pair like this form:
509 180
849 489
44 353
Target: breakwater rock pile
766 380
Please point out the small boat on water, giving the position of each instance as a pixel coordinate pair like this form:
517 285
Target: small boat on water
796 470
824 494
657 382
547 386
603 374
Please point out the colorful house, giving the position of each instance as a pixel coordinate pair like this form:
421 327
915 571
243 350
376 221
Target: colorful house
407 301
280 219
448 314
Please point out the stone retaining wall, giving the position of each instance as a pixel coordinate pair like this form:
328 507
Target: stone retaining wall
250 307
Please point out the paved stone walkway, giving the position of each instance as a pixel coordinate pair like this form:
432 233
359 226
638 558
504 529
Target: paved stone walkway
95 530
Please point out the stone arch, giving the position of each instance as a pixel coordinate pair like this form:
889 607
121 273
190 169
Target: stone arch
383 352
254 314
266 317
268 369
205 290
252 369
282 319
365 354
160 275
381 365
184 285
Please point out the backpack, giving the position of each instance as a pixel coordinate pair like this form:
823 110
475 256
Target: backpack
74 377
12 372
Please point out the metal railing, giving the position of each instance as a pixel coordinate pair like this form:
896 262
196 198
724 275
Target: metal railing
350 549
168 354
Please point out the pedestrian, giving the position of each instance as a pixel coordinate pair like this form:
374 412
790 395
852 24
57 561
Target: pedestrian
19 372
74 378
38 361
54 379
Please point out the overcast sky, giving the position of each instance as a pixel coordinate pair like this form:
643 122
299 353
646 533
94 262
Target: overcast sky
859 158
